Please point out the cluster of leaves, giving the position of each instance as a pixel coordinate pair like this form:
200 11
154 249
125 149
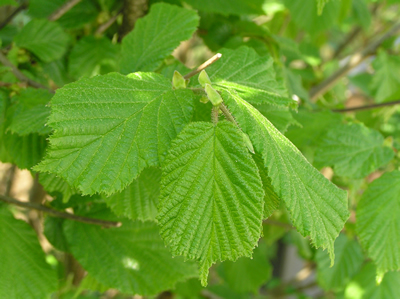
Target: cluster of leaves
119 142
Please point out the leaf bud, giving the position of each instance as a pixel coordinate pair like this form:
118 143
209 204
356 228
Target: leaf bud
248 142
213 95
178 82
204 79
204 100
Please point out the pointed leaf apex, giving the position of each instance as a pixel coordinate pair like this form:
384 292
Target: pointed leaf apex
178 82
204 79
248 143
213 95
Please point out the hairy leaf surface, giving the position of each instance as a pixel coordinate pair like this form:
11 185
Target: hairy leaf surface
211 202
316 206
138 200
131 258
353 150
45 39
348 260
378 222
155 37
24 272
108 128
251 75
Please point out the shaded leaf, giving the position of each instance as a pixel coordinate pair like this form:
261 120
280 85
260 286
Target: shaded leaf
132 257
24 272
138 200
47 40
378 222
226 7
353 150
155 37
51 183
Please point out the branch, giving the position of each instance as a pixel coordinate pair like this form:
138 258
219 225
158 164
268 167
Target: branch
20 76
13 14
103 27
132 10
354 60
203 66
367 107
55 213
63 10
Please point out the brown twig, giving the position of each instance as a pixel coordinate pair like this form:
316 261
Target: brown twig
13 14
203 66
20 76
367 107
354 61
349 38
103 27
52 212
63 10
132 10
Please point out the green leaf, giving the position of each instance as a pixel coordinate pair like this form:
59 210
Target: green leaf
226 7
378 222
108 128
320 5
361 13
280 117
305 14
24 151
364 285
211 200
89 53
247 275
316 206
348 261
353 150
271 199
313 127
386 80
53 230
24 272
139 200
8 2
130 258
47 40
51 183
252 76
155 37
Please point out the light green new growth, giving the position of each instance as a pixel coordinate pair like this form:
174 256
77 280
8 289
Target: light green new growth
47 40
108 128
23 260
135 253
378 222
211 203
317 207
353 150
155 37
178 82
204 79
213 95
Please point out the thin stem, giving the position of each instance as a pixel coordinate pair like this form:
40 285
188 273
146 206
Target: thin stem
55 213
203 66
367 107
214 115
63 10
20 75
13 14
103 27
228 114
354 61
